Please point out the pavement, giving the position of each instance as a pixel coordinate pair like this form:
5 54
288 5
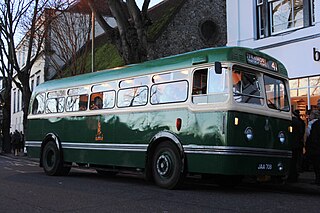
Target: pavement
305 183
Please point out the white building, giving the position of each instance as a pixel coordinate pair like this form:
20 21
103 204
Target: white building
42 70
288 30
36 77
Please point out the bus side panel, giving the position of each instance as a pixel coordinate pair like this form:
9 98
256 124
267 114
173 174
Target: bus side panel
204 129
102 137
35 134
236 165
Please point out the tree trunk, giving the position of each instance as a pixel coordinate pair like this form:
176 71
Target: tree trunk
6 145
26 95
132 33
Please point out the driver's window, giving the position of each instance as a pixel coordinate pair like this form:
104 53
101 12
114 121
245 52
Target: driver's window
246 87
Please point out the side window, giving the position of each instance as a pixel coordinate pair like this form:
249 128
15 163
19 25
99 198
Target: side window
169 92
136 96
200 78
77 103
77 99
38 104
210 87
102 100
246 87
55 105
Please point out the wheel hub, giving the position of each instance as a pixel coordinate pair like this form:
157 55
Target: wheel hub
164 165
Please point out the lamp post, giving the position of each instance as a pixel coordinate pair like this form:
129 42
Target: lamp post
93 32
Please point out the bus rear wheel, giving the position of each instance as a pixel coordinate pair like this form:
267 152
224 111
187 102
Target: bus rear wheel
167 166
52 162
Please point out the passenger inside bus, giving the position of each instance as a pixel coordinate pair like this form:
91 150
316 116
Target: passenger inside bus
97 103
236 78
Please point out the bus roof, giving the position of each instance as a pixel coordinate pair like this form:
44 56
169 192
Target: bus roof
185 60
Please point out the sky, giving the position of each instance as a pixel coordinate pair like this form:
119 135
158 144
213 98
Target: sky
152 2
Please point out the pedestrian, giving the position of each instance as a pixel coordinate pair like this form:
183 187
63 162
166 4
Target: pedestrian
15 141
313 146
21 141
298 130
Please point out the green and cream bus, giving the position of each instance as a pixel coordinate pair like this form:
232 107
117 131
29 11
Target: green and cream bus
219 111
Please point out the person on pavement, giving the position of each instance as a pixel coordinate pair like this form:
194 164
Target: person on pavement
298 130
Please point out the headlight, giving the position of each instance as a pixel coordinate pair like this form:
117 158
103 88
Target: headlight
249 133
282 137
280 167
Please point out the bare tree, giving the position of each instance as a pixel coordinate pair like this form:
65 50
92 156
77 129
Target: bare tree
69 39
30 18
130 36
6 71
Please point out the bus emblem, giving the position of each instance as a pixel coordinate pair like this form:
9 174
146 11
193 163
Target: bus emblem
99 135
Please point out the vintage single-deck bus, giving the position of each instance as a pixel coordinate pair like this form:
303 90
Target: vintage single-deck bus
218 111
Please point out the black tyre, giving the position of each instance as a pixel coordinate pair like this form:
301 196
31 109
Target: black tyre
52 161
167 166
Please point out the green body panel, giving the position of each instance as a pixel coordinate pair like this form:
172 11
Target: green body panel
265 131
235 165
201 128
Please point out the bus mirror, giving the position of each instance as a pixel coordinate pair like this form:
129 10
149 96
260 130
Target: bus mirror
217 67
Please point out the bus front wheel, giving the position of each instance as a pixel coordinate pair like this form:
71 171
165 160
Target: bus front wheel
167 166
52 162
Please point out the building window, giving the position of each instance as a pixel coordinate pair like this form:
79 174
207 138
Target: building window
38 80
313 19
277 16
18 101
14 102
209 31
32 85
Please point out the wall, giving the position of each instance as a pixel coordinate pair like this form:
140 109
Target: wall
183 32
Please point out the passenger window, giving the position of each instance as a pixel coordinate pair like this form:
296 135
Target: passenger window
102 100
136 96
38 104
77 103
172 76
55 105
169 92
139 81
246 87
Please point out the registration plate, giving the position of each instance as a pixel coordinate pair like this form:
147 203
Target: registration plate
264 166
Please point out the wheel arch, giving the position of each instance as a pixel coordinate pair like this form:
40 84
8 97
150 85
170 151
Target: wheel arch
155 141
47 138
